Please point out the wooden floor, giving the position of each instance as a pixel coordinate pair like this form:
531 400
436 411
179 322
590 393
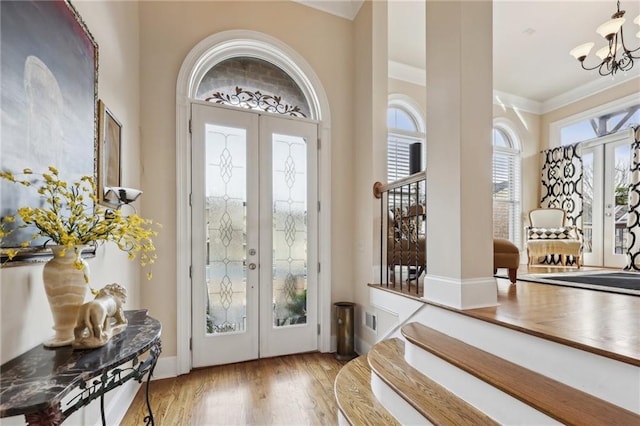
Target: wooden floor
298 389
595 321
290 390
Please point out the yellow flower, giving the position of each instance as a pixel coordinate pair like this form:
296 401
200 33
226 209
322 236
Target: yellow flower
71 216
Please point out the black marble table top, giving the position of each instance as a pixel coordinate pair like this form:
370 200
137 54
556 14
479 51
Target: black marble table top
42 377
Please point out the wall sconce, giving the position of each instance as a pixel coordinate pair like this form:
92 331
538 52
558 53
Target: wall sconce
120 196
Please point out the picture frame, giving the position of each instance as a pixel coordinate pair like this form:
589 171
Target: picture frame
109 171
49 116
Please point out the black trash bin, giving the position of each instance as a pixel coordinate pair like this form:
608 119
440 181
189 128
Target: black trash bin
344 329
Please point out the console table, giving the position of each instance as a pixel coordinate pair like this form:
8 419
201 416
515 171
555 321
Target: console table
35 383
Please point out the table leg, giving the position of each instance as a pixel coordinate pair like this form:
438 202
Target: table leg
51 416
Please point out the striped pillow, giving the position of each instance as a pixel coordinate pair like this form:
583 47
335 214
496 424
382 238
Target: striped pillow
562 233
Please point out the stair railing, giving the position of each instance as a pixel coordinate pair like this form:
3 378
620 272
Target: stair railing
403 248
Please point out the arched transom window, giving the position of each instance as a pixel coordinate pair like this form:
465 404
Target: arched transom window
255 84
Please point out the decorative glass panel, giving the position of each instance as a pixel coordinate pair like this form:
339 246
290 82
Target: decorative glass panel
253 83
621 205
289 230
226 194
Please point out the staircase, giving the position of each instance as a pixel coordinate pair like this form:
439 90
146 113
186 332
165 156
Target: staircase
444 367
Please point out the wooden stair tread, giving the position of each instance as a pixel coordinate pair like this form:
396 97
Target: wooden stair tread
430 399
355 399
557 400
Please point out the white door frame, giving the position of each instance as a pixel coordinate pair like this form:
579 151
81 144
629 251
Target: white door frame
205 54
598 147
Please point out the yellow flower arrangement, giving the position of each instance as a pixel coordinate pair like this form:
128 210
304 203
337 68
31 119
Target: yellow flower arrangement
71 216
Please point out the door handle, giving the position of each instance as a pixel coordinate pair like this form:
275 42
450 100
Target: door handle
252 266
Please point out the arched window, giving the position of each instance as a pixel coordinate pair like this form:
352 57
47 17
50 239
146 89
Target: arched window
254 84
405 127
506 185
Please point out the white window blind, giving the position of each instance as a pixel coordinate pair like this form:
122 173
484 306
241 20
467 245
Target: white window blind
506 193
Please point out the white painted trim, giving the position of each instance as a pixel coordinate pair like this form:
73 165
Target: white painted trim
117 407
397 406
605 378
496 404
616 105
344 9
218 47
166 367
402 101
587 90
407 73
416 75
361 346
507 100
469 293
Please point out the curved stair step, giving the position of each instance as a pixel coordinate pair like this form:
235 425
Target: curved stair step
356 401
555 399
430 399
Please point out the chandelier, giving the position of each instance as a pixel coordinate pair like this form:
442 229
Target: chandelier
615 56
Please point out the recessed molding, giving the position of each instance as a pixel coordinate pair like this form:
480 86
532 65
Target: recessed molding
415 75
345 9
507 100
587 90
407 73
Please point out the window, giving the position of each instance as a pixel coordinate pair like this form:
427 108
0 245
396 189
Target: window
506 185
601 124
405 127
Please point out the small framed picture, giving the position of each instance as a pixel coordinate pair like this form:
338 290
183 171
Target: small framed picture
109 146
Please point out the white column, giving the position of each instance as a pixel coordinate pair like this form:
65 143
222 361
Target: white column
459 154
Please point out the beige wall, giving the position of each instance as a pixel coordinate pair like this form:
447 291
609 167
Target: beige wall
25 318
169 30
416 92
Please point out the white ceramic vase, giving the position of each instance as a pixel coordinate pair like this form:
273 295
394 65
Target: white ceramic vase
66 287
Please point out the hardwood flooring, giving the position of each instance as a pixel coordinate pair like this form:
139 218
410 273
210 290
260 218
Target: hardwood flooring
289 390
595 321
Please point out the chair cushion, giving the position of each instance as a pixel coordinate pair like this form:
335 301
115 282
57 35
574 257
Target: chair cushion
562 233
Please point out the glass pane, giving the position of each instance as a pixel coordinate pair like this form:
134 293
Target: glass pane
289 230
577 132
500 139
587 202
226 195
621 182
399 119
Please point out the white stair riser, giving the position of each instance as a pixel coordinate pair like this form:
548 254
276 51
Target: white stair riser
395 404
496 404
605 378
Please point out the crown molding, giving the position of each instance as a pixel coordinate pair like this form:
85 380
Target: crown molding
344 9
507 100
587 90
407 73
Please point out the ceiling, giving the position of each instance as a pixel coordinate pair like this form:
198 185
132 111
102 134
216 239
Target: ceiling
531 44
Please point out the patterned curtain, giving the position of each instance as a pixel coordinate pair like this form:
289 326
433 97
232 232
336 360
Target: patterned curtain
562 181
562 185
633 221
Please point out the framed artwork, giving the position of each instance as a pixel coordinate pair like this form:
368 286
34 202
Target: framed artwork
109 146
48 103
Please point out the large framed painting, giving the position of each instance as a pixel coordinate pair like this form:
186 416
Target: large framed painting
49 68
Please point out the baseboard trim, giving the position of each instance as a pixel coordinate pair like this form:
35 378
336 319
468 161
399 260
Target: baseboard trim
461 293
120 403
166 367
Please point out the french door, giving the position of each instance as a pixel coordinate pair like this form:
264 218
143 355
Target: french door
606 168
254 233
